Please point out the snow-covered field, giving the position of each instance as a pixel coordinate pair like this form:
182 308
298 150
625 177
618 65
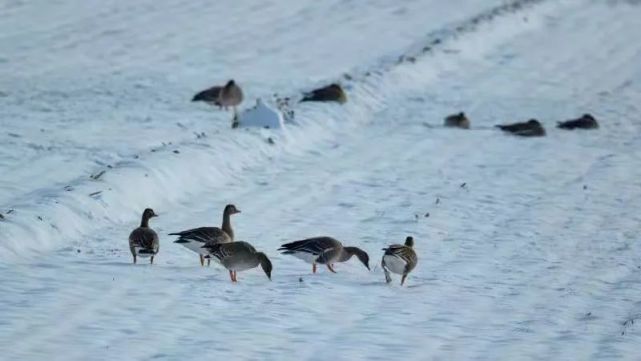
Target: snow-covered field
528 248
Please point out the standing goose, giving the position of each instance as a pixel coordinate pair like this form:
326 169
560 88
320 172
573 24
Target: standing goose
196 238
239 256
143 241
231 96
399 259
323 250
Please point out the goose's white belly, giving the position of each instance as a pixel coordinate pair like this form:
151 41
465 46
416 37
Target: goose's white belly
394 264
195 246
307 257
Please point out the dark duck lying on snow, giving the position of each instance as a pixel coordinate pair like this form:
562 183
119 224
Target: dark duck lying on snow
586 121
457 121
330 93
531 128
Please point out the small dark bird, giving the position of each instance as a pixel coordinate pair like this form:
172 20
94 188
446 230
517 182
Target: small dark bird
586 121
457 120
531 128
330 93
210 96
399 259
143 241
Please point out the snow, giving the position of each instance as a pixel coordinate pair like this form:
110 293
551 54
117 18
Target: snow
528 248
261 115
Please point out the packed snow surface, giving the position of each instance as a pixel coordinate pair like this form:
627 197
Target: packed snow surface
528 248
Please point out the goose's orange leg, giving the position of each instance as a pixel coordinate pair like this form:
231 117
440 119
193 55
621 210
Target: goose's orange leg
313 267
202 260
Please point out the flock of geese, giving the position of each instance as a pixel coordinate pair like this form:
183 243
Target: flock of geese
219 243
237 256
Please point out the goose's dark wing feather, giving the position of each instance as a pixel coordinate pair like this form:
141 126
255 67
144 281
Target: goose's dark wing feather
403 252
202 234
316 245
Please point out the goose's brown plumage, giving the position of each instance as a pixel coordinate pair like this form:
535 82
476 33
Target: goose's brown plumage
323 250
399 259
531 128
330 93
196 238
143 241
239 256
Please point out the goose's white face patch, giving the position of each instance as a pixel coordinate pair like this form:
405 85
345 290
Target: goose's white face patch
307 257
394 264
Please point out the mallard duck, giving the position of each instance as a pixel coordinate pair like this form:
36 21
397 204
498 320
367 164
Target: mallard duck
196 238
143 241
531 128
330 93
399 259
239 256
586 121
457 121
323 250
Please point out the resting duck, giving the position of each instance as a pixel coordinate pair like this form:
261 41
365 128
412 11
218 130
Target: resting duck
210 96
330 93
239 256
196 238
586 121
531 128
399 259
323 250
143 241
457 121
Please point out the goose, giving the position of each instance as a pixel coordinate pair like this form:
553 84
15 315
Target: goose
143 241
238 256
210 96
399 259
196 238
323 250
330 93
531 128
586 121
457 121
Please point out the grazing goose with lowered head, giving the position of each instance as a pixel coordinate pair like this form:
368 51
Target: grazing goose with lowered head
399 259
239 256
586 121
323 250
143 241
196 238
